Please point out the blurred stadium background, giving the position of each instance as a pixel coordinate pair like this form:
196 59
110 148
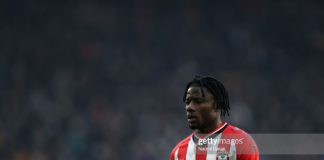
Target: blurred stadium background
104 80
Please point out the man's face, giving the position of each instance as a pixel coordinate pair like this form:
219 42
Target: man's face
201 110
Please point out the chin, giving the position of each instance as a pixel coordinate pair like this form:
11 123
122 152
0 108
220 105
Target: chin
193 126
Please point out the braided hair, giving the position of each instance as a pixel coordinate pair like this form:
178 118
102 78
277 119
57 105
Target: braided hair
215 87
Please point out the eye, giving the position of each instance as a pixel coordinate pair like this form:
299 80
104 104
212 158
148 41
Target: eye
198 101
187 101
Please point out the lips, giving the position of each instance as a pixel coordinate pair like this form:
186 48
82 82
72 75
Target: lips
191 118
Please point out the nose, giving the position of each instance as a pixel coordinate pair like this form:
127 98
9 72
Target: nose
190 107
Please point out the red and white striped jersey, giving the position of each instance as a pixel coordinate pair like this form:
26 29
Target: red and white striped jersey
226 142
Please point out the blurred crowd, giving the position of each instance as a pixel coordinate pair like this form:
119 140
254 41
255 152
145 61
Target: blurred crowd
104 80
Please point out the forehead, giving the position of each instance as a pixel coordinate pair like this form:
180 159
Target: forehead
195 91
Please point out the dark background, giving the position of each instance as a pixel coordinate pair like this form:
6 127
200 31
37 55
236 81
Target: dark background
104 80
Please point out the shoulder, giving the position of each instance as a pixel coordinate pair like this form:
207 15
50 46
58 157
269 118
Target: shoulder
236 132
245 142
182 143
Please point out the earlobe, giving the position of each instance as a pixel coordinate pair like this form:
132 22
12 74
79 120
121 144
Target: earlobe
215 107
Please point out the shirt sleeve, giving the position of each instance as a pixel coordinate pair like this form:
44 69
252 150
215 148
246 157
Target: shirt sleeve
172 155
248 150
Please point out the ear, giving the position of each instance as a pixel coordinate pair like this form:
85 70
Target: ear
215 107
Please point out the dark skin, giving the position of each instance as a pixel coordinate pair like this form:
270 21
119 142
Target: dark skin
202 112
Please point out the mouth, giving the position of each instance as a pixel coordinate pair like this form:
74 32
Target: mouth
191 118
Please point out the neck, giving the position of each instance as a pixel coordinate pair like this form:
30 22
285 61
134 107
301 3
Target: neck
211 127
